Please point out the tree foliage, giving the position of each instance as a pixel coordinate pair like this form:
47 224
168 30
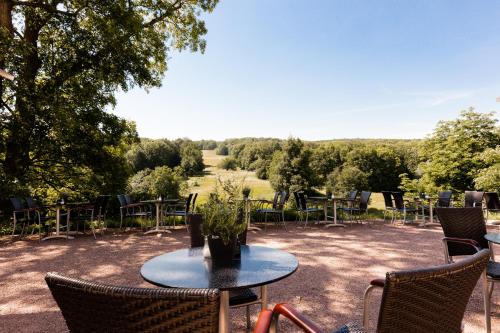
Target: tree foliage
162 181
69 58
452 157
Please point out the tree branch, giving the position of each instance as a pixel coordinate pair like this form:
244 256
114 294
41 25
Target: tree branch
175 7
47 7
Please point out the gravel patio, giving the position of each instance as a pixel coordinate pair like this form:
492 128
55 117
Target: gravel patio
335 267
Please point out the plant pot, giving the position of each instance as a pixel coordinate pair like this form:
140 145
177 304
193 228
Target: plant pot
221 254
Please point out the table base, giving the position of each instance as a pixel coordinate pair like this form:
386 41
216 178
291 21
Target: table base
157 230
254 228
57 236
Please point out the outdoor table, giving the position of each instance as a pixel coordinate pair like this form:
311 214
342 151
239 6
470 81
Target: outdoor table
431 200
187 268
325 201
158 203
248 213
58 208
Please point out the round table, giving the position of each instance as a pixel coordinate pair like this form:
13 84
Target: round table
187 268
493 237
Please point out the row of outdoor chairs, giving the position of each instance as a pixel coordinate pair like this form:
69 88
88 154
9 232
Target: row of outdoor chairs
28 213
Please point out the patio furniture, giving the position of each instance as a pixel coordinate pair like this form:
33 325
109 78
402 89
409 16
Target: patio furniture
41 213
492 203
473 199
275 209
90 212
258 266
464 233
358 207
97 307
389 204
21 213
415 301
130 209
193 203
159 203
180 208
402 206
305 209
61 211
237 298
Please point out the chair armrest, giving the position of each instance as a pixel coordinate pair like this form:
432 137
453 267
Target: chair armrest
470 242
378 283
296 317
263 322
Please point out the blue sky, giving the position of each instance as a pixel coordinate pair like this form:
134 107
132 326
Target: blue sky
326 69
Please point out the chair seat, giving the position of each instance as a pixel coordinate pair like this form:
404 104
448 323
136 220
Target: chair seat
268 211
242 296
350 328
177 213
493 270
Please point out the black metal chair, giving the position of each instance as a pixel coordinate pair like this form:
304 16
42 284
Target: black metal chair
415 301
130 209
389 204
358 207
181 209
21 213
403 206
464 230
193 203
305 209
97 307
275 209
492 203
473 199
94 213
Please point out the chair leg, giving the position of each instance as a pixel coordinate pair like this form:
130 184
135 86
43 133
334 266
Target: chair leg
487 303
248 317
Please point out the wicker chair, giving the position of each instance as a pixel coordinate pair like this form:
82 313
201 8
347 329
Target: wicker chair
473 199
95 307
464 230
424 300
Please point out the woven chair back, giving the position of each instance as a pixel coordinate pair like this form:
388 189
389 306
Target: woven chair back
465 223
17 203
430 300
95 307
444 199
473 199
303 201
387 199
297 200
275 199
128 199
492 200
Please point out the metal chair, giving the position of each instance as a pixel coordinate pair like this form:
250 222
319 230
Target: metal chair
22 213
402 206
130 209
358 207
275 209
181 209
389 204
423 300
492 203
304 209
97 307
464 230
93 213
473 199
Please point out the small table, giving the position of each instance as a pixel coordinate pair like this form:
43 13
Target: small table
187 268
248 213
158 204
325 208
58 208
431 200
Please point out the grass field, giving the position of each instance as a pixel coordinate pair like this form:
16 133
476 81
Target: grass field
261 189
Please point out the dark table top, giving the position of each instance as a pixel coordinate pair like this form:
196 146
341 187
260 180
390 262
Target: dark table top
493 237
187 268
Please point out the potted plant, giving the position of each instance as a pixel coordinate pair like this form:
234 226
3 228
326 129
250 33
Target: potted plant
222 223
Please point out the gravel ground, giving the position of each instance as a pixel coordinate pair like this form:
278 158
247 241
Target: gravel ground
335 266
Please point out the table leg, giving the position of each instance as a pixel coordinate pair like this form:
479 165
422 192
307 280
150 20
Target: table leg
431 217
334 224
263 297
58 223
224 324
157 228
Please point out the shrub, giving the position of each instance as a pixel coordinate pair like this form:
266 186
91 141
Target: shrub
222 150
228 163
